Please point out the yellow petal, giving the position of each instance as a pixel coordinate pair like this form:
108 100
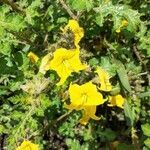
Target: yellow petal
33 57
117 100
27 145
77 31
45 64
124 23
84 120
118 30
89 112
76 63
87 95
104 80
93 96
72 107
63 72
60 55
76 99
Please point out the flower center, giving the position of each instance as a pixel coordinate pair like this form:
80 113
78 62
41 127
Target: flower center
84 98
65 63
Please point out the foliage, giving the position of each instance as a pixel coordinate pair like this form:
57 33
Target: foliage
111 36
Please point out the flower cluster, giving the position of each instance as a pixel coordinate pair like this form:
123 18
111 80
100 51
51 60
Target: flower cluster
106 86
85 97
65 61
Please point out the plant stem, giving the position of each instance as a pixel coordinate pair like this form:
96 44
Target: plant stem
63 116
64 5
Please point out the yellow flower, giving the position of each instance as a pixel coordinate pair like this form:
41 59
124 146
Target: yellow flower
45 64
88 112
77 31
118 30
85 95
116 100
124 23
33 57
104 80
27 145
65 62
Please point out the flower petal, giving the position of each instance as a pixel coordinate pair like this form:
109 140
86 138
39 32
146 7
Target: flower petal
75 94
33 57
27 145
76 63
45 64
93 96
77 31
104 80
116 100
89 112
72 107
85 94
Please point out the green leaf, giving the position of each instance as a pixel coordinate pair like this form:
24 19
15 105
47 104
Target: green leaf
146 129
107 134
122 74
89 4
147 142
80 5
2 129
31 11
144 94
14 22
129 114
124 146
99 19
118 13
3 65
93 62
75 145
145 148
5 47
106 64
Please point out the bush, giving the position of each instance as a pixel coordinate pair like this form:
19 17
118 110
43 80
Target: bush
74 74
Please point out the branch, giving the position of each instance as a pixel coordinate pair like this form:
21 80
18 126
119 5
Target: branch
64 116
135 50
64 5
